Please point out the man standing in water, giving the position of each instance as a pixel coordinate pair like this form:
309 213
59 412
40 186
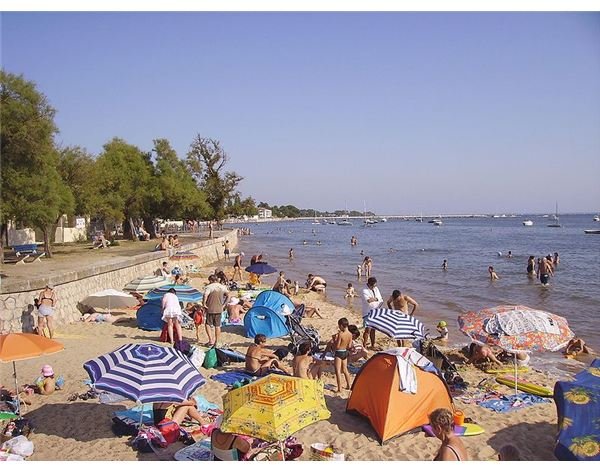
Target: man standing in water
545 271
371 299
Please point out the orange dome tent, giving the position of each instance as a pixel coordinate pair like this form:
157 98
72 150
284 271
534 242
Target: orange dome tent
376 395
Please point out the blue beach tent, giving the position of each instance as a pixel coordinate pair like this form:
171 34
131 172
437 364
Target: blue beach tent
149 316
578 408
262 320
273 300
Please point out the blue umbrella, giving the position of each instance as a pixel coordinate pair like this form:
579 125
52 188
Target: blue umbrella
184 292
145 373
260 268
396 324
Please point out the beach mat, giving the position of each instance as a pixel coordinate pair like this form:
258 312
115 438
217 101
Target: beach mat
199 451
230 377
514 402
467 429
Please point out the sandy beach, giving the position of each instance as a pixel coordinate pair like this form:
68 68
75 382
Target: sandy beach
81 430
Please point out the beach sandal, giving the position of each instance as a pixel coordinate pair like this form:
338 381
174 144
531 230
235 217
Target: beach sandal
73 397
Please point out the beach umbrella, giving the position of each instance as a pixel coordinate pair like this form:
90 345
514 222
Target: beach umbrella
274 407
146 283
184 255
260 268
145 373
22 346
110 298
394 323
517 328
184 292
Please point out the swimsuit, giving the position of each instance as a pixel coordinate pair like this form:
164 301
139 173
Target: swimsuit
530 268
437 457
342 354
544 278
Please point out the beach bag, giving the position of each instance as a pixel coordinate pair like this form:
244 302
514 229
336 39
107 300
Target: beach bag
147 439
169 429
222 358
19 445
123 426
182 346
320 451
210 358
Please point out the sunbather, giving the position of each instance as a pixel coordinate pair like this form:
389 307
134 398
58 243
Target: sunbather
177 412
230 447
96 317
304 364
481 354
259 359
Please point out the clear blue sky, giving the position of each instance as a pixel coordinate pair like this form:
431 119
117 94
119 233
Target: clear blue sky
408 112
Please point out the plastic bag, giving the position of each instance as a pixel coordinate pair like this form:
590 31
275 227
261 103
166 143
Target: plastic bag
197 358
19 445
210 358
320 451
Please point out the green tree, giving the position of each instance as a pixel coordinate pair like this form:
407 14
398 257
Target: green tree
179 195
124 181
77 170
32 192
206 160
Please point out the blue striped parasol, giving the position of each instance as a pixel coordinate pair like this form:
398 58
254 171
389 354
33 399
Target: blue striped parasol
184 292
145 373
396 324
260 268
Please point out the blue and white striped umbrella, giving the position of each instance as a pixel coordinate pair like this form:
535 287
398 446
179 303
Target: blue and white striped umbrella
184 292
396 324
145 373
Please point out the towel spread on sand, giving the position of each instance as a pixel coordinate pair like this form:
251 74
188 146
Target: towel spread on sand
514 402
230 377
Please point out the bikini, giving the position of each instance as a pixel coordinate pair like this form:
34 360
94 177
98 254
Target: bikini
437 457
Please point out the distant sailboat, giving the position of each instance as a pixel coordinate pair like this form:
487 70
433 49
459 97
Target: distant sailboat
315 221
420 219
527 223
345 221
556 224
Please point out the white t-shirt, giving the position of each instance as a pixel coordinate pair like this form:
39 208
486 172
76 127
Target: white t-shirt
369 294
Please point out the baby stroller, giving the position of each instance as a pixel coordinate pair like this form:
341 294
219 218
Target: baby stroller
299 333
441 361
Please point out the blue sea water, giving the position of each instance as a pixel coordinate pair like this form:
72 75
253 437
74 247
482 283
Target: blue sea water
408 255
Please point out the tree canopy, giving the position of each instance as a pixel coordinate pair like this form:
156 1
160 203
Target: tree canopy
123 184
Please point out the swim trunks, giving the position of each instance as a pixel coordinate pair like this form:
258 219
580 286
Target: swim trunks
529 268
544 278
341 354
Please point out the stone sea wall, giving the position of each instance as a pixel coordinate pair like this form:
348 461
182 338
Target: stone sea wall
17 313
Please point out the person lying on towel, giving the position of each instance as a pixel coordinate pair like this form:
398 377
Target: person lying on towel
260 360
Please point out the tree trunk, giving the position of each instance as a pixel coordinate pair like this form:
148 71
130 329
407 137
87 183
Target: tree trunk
149 226
46 234
3 231
129 229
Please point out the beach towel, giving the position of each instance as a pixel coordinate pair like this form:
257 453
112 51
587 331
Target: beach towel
204 405
510 403
230 377
407 360
134 414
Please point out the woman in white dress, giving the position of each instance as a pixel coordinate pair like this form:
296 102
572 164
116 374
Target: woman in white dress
172 314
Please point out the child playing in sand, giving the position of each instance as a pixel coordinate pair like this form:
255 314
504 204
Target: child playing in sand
350 291
304 365
342 342
442 328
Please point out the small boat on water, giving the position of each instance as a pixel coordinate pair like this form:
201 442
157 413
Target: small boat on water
591 231
436 222
383 219
527 223
556 223
597 218
345 222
